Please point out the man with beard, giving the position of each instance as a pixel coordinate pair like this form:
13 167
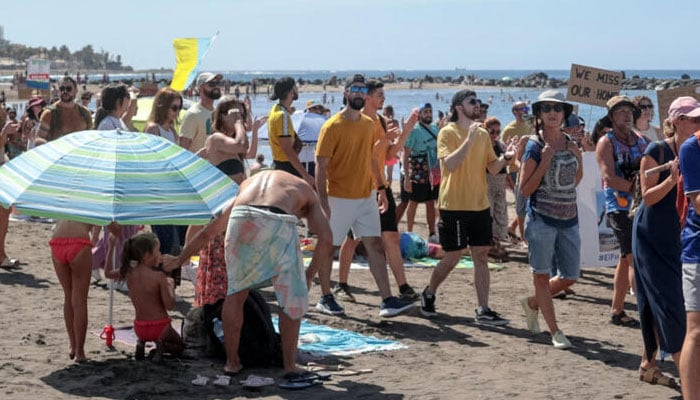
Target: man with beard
618 154
391 140
420 160
196 124
346 172
283 138
64 116
465 153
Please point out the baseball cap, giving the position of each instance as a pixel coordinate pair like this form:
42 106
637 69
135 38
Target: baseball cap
685 105
572 121
357 78
38 101
206 77
459 97
425 107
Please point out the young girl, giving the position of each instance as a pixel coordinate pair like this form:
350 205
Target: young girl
72 260
151 292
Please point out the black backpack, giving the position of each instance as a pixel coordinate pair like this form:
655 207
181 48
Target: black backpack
260 345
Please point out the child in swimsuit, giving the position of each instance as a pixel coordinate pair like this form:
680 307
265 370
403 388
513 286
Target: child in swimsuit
71 253
151 292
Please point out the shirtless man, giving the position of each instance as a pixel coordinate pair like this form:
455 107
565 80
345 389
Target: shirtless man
64 116
262 243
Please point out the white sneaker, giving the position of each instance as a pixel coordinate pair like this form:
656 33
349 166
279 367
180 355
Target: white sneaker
560 341
531 317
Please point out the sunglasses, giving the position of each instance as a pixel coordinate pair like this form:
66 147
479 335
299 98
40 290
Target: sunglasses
495 131
359 89
175 108
66 89
646 107
523 109
473 102
545 108
214 83
694 120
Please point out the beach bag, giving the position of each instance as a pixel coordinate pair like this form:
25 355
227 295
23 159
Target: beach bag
260 344
413 245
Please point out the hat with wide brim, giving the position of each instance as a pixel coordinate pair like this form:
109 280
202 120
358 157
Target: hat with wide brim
552 96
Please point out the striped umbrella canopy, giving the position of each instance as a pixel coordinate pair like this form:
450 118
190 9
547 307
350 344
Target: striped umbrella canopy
132 178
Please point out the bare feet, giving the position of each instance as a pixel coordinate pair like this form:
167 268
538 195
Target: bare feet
232 371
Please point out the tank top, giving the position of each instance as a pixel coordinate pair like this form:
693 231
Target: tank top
168 134
627 160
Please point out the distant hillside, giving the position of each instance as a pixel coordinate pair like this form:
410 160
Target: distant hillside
14 56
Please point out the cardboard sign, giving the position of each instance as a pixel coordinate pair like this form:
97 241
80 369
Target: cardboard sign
666 97
594 86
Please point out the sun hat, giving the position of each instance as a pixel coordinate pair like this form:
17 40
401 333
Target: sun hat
282 87
552 96
206 77
312 104
684 106
37 101
619 101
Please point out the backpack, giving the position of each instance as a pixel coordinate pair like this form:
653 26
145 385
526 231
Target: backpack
413 245
260 345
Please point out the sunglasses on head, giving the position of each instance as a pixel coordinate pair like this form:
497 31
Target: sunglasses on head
646 107
359 89
694 120
545 108
66 89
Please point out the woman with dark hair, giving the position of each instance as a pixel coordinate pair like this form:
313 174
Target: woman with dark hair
642 119
164 113
550 171
30 125
231 119
115 101
656 246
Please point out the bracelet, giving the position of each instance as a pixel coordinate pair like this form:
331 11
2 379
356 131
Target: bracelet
382 187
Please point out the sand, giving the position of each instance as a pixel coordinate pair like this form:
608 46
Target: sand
448 357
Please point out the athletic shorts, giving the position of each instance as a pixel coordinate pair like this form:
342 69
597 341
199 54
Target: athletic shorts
691 286
360 215
387 219
423 192
459 229
621 224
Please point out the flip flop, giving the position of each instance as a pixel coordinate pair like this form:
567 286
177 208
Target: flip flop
299 385
307 376
255 381
222 380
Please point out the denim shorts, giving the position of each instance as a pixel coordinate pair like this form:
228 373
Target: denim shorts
691 286
550 246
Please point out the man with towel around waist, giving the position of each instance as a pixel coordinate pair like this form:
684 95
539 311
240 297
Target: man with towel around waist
262 243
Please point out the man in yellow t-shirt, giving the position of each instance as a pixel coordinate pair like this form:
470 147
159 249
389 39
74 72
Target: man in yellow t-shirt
465 153
284 143
346 172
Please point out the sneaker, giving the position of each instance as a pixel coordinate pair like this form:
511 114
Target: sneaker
434 238
427 304
560 341
327 305
392 306
408 294
343 293
96 276
531 317
490 317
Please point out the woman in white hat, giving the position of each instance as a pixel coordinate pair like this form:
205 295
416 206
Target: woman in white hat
551 168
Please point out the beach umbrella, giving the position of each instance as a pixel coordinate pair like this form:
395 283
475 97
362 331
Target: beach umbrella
131 178
102 176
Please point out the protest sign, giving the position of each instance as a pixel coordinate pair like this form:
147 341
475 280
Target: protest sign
38 73
594 86
666 97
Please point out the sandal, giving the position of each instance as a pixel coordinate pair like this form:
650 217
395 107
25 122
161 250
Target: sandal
654 376
622 319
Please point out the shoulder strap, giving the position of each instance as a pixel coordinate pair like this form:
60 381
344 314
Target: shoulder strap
427 128
382 121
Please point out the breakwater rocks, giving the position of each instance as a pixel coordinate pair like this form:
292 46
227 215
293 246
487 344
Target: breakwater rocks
536 80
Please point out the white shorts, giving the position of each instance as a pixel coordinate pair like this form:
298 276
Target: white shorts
362 215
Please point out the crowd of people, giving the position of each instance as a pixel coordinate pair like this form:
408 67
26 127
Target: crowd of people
459 166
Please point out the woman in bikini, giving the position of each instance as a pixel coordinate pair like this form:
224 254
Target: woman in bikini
72 259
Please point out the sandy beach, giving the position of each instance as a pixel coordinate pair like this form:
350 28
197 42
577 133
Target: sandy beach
448 357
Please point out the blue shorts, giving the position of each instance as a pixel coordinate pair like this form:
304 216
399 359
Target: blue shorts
550 246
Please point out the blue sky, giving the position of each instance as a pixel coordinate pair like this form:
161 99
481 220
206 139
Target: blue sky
378 34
